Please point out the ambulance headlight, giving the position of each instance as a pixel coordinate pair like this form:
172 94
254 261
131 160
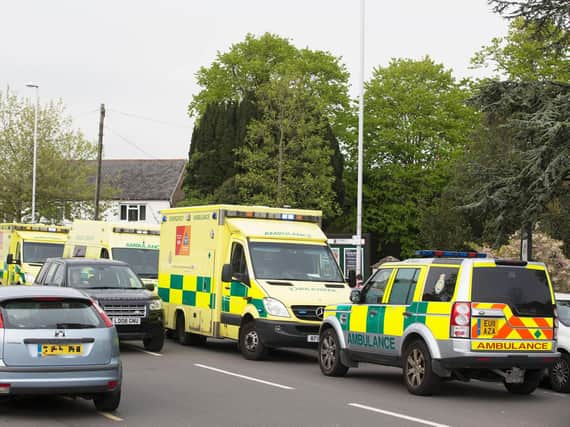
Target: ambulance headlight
29 278
275 307
155 304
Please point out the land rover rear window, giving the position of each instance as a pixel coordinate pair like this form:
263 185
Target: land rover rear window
440 284
525 290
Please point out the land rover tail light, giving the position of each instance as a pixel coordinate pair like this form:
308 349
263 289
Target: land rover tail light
460 324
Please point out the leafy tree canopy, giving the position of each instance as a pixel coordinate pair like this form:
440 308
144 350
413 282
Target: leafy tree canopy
62 167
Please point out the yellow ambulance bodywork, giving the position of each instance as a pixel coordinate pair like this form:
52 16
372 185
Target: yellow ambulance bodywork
283 308
133 243
28 245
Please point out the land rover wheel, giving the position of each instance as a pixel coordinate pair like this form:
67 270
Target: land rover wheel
329 354
250 343
559 374
529 385
419 376
155 341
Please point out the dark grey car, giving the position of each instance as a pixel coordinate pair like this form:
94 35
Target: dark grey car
134 310
57 341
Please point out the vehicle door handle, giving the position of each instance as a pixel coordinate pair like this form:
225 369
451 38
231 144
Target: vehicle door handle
227 287
372 312
407 314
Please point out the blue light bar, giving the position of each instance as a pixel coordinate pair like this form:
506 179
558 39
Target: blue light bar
450 254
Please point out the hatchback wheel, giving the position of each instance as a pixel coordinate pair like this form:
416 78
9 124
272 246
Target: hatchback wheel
419 376
559 374
329 355
109 401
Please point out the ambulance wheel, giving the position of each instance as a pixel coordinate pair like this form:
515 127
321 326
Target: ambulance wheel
155 342
329 355
559 374
181 335
250 343
109 401
419 376
529 385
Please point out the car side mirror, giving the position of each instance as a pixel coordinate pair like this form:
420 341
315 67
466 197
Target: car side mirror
352 278
149 286
356 296
227 273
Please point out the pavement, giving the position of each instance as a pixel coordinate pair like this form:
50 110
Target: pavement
215 386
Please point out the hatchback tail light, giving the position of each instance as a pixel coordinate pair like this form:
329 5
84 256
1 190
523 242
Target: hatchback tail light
1 321
112 385
460 324
102 314
5 388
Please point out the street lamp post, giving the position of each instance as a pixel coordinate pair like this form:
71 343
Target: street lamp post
37 87
358 236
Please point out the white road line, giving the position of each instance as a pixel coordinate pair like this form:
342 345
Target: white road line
152 353
111 416
395 414
257 380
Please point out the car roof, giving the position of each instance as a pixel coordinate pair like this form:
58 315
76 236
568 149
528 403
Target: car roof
87 261
23 291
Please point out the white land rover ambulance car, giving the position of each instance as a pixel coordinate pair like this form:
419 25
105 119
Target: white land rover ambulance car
447 315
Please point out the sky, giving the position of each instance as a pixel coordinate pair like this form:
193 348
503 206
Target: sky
139 58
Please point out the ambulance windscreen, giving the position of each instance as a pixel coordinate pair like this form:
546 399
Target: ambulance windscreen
286 261
144 262
37 253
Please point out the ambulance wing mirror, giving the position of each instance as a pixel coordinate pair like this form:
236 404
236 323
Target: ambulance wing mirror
352 278
10 260
227 273
356 296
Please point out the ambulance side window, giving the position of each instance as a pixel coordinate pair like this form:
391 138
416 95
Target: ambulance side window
238 259
376 285
440 284
404 286
104 253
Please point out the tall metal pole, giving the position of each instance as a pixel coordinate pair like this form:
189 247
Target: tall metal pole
99 159
35 155
360 146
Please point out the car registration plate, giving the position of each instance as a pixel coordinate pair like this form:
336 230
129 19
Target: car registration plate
126 320
313 338
59 349
487 327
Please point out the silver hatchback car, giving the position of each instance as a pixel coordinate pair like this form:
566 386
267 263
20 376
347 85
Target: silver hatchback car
57 341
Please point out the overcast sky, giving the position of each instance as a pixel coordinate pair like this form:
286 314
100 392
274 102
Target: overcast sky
139 57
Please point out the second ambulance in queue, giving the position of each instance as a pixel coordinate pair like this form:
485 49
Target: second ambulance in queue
258 275
135 244
448 315
24 249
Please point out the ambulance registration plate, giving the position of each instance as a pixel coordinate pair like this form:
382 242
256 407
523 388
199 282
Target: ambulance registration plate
312 338
59 349
126 320
487 328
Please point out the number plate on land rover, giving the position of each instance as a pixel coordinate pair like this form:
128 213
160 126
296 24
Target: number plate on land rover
126 320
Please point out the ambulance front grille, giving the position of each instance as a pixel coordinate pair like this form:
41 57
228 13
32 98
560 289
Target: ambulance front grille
125 310
308 312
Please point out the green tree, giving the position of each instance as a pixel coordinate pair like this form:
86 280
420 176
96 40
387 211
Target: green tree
289 153
416 121
63 166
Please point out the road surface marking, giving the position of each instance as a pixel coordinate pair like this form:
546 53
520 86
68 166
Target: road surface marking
257 380
395 414
111 416
142 350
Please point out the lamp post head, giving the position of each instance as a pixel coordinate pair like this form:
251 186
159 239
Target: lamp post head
33 85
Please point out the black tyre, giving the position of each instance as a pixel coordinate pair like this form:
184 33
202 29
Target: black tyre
109 401
559 374
250 343
181 335
419 376
529 385
329 354
155 341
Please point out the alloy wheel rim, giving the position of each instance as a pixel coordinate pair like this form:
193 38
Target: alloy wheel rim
328 352
560 372
415 364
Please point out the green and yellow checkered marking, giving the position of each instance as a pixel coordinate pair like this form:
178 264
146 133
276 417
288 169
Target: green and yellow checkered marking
196 291
240 296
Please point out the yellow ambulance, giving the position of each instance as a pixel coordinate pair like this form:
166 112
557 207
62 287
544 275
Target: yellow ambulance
135 244
25 247
258 275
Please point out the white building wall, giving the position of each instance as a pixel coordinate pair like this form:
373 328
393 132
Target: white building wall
153 207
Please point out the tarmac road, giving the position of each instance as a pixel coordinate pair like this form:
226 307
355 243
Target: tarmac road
215 386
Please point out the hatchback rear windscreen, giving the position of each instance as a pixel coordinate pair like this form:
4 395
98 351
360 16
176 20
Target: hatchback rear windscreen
49 314
525 290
